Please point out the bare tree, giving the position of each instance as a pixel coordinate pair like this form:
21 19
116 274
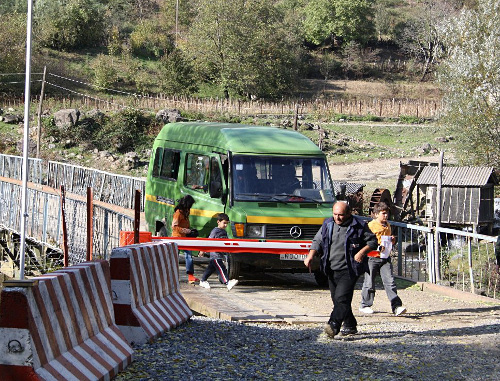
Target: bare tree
421 37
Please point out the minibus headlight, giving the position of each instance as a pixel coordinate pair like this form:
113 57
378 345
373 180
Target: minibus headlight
255 231
238 230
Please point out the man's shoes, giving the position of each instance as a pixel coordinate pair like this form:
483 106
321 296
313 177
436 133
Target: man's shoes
330 330
231 284
346 331
399 310
204 284
192 278
366 310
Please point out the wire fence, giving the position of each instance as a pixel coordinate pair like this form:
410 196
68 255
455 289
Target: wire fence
68 93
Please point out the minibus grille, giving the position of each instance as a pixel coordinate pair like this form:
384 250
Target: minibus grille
307 232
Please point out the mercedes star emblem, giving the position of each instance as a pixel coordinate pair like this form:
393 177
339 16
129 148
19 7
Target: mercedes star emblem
295 232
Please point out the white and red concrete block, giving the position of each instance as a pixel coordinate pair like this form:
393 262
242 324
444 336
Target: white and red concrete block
145 287
62 327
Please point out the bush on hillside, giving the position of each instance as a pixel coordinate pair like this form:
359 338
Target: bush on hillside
123 131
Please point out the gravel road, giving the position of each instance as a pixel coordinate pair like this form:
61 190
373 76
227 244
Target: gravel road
439 338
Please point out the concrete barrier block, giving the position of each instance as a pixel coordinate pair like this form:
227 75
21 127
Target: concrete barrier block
145 287
62 327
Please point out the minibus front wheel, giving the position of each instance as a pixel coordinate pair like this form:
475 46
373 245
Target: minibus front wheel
233 266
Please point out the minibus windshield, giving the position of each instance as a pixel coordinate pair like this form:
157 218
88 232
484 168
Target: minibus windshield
280 179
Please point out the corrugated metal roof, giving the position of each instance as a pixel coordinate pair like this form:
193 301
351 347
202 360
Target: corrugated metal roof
459 176
350 188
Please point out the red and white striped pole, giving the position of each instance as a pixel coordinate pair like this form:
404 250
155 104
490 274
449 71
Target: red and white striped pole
240 245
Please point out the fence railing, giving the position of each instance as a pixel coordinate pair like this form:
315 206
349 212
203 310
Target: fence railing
108 187
12 167
44 227
381 107
466 260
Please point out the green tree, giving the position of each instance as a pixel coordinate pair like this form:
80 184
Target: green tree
470 77
244 47
177 75
350 20
12 42
71 24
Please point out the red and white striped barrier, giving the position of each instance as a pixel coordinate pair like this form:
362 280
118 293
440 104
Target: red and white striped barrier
61 327
240 245
145 286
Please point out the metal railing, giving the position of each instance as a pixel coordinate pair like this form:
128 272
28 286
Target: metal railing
107 187
466 260
12 167
44 226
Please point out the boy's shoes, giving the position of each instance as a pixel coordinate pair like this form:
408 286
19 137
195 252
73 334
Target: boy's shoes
192 278
330 330
204 284
231 284
399 310
346 331
366 310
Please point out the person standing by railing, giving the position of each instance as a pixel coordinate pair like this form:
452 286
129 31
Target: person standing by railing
379 263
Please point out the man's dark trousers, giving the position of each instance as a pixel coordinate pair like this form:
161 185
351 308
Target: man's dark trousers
341 290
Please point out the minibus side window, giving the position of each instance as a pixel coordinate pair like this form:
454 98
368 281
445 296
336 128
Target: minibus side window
157 161
197 172
169 165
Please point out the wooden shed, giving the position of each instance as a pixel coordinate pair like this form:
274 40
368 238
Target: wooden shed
468 195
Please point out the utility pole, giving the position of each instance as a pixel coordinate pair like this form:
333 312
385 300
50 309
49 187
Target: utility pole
437 259
176 20
27 96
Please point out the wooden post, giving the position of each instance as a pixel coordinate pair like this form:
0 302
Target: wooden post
39 119
90 225
438 216
137 215
296 116
64 230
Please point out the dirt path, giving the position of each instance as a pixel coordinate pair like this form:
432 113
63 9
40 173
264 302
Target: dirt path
373 171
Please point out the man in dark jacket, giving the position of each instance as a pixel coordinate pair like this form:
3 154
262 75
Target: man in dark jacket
342 243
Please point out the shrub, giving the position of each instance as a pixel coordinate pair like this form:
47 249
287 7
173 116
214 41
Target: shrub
105 73
150 40
409 119
123 131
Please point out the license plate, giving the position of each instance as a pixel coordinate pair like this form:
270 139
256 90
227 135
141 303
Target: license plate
293 257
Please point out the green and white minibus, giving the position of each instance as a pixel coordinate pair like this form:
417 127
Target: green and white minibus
273 183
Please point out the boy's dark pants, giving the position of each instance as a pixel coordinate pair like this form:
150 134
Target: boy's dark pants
341 290
216 265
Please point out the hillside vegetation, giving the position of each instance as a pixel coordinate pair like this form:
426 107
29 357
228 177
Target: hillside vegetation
269 50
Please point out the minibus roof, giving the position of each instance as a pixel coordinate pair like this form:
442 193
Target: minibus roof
239 138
